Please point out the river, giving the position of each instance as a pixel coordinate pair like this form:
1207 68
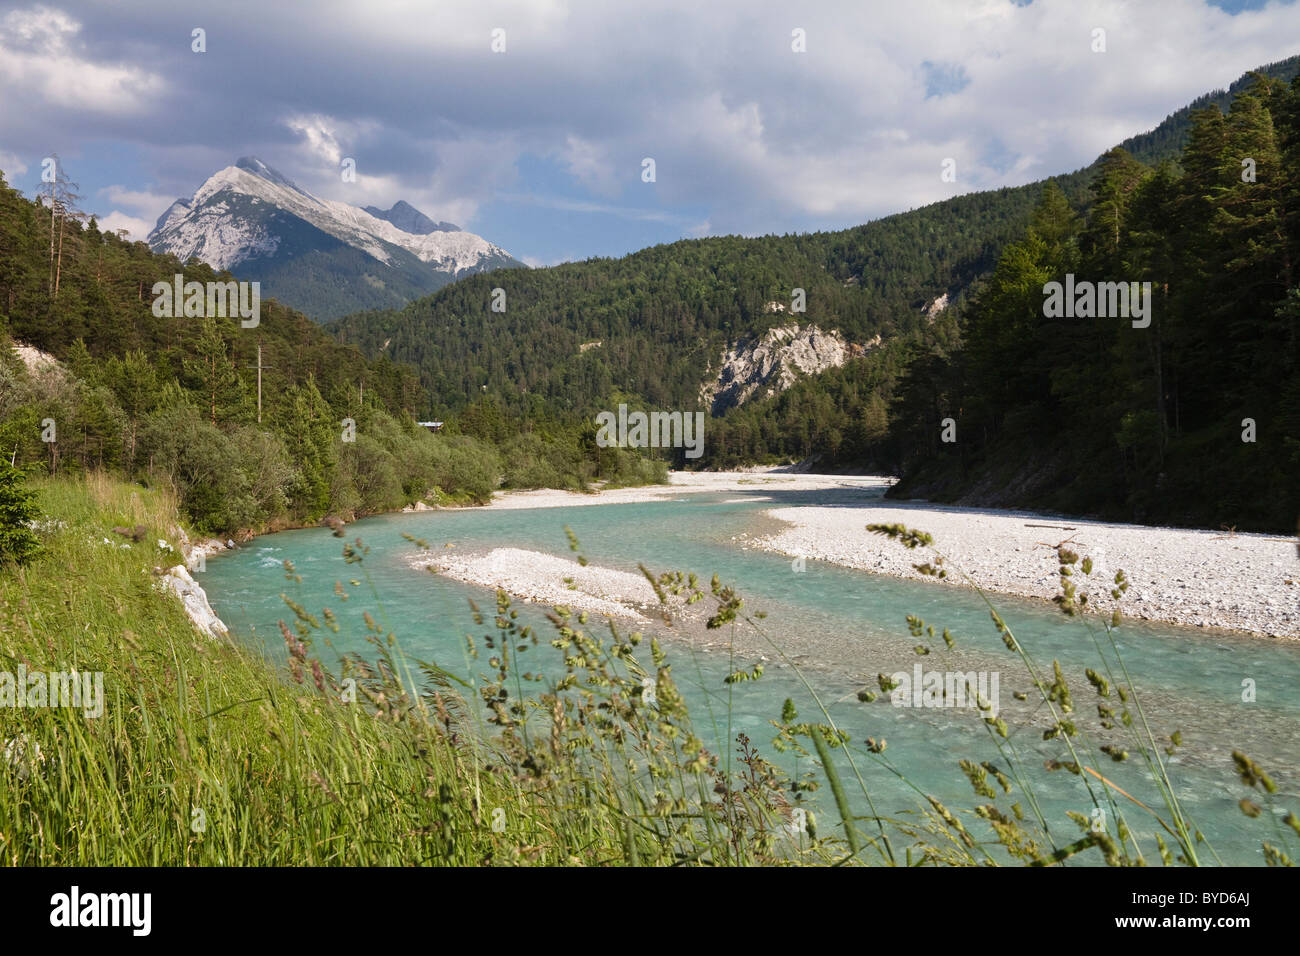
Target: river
841 627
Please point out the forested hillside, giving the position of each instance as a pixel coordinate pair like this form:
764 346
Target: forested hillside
173 401
1168 140
663 314
1192 419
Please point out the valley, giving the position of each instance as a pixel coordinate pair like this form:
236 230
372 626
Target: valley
687 439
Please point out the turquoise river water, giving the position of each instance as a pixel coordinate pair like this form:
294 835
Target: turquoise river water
841 628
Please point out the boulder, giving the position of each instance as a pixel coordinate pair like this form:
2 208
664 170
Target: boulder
195 601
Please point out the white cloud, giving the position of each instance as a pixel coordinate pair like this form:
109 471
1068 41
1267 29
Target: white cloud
535 262
763 137
141 201
588 206
463 171
11 166
590 164
318 137
43 63
747 135
470 168
138 229
144 209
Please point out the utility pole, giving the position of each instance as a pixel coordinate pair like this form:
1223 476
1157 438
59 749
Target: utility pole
259 366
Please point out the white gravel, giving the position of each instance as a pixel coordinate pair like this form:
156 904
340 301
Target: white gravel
1245 582
1248 582
538 577
680 483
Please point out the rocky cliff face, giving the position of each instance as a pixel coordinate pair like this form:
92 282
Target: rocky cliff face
770 364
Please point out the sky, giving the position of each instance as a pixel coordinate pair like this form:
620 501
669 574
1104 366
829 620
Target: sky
530 122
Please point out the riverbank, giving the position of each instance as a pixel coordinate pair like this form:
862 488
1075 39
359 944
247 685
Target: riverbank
268 766
686 483
1242 582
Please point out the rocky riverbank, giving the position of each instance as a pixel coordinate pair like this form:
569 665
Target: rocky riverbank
1247 582
1244 582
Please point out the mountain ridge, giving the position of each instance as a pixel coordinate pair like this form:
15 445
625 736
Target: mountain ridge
409 219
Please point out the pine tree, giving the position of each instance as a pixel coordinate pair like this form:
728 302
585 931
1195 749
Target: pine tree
212 372
135 381
308 430
18 510
1113 188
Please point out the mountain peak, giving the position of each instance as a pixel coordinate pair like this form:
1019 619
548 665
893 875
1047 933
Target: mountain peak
254 221
251 164
409 219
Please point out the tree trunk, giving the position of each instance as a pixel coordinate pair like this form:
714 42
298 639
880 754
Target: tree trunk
58 269
53 205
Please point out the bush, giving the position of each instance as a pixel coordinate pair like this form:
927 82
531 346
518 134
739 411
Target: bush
460 466
203 466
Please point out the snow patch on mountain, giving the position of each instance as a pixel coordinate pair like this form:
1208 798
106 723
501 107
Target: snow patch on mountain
207 232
